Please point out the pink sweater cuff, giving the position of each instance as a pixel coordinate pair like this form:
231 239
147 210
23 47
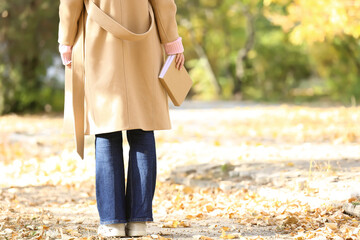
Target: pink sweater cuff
174 47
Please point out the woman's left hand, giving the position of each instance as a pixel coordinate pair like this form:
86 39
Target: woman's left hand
65 53
180 60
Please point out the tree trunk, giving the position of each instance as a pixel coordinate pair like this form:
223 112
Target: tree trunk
243 53
202 54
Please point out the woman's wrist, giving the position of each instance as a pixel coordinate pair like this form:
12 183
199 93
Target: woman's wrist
64 48
65 53
174 47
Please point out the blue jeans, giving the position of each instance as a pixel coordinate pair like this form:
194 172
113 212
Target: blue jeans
113 204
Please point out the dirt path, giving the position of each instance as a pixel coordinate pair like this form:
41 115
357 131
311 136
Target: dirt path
68 212
278 171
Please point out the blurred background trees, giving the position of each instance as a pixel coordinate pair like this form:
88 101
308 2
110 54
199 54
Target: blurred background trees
329 30
264 50
28 51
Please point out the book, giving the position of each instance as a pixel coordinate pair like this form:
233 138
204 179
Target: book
176 82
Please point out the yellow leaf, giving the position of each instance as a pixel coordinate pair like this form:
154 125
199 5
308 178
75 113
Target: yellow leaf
91 202
332 226
230 236
45 227
290 220
225 228
175 224
205 238
352 199
188 190
184 224
163 238
226 236
217 143
209 208
199 215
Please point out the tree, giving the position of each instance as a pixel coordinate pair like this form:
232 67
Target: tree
28 44
329 29
232 49
315 21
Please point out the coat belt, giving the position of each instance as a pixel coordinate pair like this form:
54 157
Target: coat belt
78 58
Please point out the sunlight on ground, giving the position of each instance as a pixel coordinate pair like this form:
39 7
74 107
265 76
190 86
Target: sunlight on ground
33 151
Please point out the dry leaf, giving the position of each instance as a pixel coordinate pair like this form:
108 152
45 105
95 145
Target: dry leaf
226 236
352 199
290 220
209 208
200 237
332 226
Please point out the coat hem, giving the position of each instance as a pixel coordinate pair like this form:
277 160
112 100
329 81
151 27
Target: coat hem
127 128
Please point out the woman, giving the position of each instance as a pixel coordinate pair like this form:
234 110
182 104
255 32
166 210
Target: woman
113 53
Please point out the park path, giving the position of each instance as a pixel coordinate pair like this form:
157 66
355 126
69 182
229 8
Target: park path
225 170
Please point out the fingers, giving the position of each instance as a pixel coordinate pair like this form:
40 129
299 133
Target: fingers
66 58
180 59
65 53
177 60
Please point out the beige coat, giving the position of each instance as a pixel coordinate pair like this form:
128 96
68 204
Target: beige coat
113 82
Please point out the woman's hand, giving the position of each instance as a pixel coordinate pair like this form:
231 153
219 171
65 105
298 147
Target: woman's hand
65 53
179 59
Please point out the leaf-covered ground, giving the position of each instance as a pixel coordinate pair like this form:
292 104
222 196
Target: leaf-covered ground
312 152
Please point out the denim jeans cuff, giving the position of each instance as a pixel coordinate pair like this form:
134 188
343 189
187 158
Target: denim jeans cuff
112 221
141 220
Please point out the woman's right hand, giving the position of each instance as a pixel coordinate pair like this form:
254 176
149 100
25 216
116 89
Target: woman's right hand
180 60
65 53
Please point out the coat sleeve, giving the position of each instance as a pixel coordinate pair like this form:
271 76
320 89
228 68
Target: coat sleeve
69 13
165 15
174 47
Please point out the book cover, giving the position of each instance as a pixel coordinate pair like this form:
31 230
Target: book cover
176 82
